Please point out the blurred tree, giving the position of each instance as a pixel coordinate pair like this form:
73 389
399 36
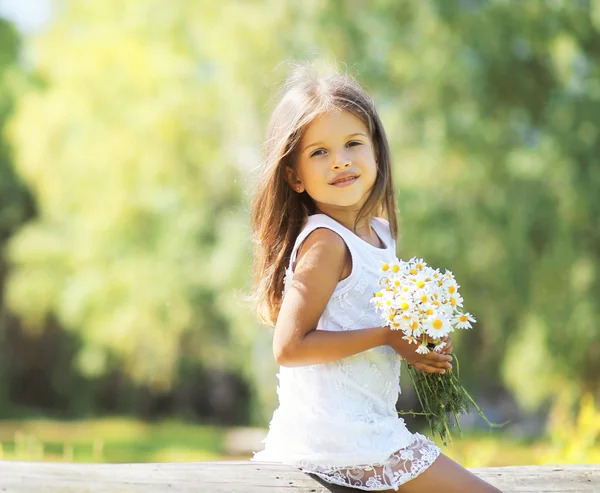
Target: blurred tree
140 231
16 205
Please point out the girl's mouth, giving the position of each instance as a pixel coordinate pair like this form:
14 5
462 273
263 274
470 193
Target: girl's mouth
346 182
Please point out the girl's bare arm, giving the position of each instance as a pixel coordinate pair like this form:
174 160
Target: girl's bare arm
318 269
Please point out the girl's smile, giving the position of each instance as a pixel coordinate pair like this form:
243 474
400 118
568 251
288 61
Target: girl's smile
345 182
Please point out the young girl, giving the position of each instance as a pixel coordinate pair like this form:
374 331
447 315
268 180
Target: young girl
321 235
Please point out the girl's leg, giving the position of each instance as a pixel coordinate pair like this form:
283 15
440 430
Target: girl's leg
443 474
448 476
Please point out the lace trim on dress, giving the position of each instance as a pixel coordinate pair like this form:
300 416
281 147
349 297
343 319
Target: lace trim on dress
400 467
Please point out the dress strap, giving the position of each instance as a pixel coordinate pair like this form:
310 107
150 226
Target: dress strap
385 232
323 221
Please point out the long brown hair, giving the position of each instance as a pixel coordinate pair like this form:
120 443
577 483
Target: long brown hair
277 212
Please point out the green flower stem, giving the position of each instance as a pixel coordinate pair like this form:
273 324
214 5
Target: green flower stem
442 397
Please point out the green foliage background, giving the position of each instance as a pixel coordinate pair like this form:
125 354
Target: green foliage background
132 132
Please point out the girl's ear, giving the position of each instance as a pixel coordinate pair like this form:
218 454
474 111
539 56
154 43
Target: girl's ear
293 180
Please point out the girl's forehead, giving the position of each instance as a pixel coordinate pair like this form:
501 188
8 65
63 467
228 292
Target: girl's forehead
334 123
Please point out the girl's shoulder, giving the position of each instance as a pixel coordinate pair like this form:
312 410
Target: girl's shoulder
316 221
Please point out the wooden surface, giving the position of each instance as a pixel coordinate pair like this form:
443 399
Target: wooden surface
249 477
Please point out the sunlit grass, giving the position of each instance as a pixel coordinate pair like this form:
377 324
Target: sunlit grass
573 437
110 440
485 450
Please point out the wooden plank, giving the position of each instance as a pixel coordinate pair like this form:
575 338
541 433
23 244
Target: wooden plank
250 477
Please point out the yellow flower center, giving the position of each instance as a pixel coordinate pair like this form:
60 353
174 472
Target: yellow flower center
414 325
395 268
404 306
423 299
464 318
413 271
451 289
453 301
420 266
435 303
385 267
437 324
379 293
421 284
429 311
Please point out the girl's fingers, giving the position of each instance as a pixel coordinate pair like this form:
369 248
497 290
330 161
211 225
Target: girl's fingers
439 361
439 358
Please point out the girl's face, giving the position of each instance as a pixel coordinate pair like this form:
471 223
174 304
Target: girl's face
334 145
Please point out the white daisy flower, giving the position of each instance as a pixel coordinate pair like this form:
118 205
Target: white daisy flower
410 339
439 347
423 298
404 268
444 308
463 320
438 327
422 349
396 281
422 282
452 287
404 303
409 325
428 309
455 300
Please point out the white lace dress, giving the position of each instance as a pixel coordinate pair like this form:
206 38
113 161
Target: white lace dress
338 420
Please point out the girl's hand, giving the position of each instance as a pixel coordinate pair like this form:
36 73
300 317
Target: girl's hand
447 349
428 363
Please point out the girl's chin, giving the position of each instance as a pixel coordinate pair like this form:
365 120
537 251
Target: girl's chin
340 205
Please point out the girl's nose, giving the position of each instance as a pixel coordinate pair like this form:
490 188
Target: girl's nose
341 160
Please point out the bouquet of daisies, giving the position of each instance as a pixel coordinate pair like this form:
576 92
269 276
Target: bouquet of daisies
426 306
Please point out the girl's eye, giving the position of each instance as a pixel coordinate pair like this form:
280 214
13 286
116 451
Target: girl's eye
352 143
